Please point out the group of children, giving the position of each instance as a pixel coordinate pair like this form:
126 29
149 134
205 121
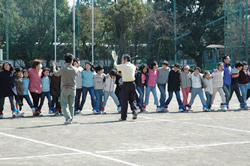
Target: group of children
100 86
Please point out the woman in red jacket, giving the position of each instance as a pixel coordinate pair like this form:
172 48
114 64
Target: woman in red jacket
35 86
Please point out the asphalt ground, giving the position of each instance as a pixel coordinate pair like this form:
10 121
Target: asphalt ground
194 138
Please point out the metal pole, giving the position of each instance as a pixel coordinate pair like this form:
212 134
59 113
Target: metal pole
246 29
92 31
55 27
175 44
7 30
240 27
78 30
74 27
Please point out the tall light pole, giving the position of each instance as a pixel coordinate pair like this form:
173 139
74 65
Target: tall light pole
7 30
175 35
55 26
246 29
74 27
78 29
93 32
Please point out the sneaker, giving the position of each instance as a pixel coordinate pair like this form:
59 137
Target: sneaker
20 114
158 109
76 112
1 116
205 110
14 115
103 112
40 114
181 110
145 110
135 115
211 109
165 109
51 112
122 119
224 108
33 110
190 108
96 112
60 113
119 109
68 121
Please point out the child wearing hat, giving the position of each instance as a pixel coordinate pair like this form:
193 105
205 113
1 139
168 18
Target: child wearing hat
185 83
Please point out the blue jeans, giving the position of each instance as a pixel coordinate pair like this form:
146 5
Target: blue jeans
27 98
209 97
162 88
141 91
114 97
227 91
91 91
243 89
98 95
170 96
197 91
153 90
43 95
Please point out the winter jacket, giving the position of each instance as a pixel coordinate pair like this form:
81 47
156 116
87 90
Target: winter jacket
109 84
152 77
7 84
35 80
185 80
174 81
138 79
19 85
244 77
55 84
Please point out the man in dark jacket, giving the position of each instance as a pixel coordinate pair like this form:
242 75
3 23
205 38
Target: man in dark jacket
174 83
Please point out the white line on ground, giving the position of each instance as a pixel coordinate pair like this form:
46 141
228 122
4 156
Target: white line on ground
211 126
175 148
40 156
70 149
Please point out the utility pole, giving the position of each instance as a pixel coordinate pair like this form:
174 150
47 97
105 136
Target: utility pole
78 29
93 32
175 34
55 27
74 27
246 29
7 30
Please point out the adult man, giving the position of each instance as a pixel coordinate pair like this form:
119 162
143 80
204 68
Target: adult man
68 87
162 80
128 87
227 77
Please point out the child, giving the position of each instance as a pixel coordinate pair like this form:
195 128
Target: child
243 80
8 89
55 84
45 81
197 86
26 82
174 83
185 84
141 78
77 63
235 87
99 80
152 77
88 86
109 91
19 87
118 85
218 85
207 79
162 80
